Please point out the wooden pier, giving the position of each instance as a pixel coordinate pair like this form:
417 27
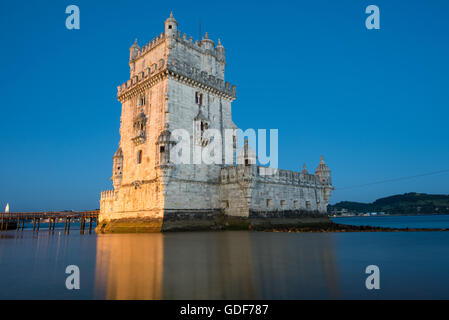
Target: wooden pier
17 219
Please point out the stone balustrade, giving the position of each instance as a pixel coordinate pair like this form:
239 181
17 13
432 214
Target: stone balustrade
107 194
238 173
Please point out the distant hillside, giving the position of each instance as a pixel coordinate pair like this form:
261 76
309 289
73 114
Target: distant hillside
408 203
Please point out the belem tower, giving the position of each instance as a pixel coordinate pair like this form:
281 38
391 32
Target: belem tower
176 83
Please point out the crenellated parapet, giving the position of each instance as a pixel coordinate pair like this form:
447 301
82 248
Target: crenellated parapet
190 74
139 52
146 73
182 72
205 46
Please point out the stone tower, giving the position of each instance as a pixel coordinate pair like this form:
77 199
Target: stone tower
176 96
174 83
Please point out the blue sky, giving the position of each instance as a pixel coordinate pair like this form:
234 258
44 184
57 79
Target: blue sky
374 102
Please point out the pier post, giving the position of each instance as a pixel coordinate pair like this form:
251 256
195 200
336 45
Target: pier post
90 225
34 224
38 223
18 224
82 225
23 223
68 226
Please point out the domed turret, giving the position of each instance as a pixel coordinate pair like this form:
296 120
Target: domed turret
323 172
171 26
207 43
118 168
220 52
134 51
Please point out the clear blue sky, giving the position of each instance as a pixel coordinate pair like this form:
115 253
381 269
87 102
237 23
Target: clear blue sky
374 102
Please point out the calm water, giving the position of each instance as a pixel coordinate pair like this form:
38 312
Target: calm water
227 265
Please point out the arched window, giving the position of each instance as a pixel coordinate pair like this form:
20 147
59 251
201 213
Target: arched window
139 126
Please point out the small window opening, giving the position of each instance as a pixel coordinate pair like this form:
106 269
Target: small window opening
139 157
199 98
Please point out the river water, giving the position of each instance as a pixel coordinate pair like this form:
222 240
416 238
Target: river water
230 264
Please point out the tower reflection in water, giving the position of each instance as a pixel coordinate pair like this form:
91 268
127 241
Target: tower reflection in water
129 266
216 265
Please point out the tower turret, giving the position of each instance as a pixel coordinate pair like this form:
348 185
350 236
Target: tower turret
304 169
220 52
246 155
171 27
117 168
207 43
134 51
323 172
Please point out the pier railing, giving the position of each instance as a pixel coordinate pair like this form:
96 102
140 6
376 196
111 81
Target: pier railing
17 219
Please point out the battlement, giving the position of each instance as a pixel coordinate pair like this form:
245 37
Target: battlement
185 72
149 46
242 173
205 46
166 62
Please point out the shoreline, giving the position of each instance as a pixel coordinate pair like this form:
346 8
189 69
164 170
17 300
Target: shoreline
393 215
337 227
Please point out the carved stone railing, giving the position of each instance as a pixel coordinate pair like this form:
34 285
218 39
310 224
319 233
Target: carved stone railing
107 194
238 173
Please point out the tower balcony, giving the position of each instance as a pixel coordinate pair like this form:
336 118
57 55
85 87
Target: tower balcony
139 138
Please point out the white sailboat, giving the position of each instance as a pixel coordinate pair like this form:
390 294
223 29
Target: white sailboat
7 208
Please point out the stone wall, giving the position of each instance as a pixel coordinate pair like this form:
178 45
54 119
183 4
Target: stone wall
255 189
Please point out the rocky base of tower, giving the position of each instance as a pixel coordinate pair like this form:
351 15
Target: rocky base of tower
262 220
202 220
130 225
